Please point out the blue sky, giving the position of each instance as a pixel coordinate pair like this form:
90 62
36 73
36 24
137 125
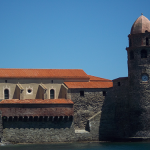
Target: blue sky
68 34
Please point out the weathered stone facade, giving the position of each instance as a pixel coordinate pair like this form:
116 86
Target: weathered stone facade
86 106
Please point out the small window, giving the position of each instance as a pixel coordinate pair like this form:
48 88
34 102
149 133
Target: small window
143 53
52 94
118 83
6 93
104 93
5 81
131 55
81 93
147 41
29 91
51 81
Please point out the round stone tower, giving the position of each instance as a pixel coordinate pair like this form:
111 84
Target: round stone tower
139 78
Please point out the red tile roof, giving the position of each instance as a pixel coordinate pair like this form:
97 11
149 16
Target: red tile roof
72 85
93 78
95 82
43 73
37 101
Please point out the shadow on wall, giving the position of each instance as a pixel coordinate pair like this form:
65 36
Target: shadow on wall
107 126
37 122
114 121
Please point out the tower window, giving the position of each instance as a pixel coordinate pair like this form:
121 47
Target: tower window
104 93
6 93
118 83
52 92
81 93
131 55
147 41
143 53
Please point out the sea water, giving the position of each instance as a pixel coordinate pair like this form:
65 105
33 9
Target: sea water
79 146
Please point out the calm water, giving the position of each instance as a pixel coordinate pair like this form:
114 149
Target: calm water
80 146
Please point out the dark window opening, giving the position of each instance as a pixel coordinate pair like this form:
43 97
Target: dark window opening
81 93
131 55
104 93
30 118
4 118
51 81
130 43
56 118
20 118
146 31
40 118
5 81
15 118
61 118
6 93
29 90
70 118
46 118
143 53
118 83
51 118
147 41
66 118
51 94
10 118
36 118
25 119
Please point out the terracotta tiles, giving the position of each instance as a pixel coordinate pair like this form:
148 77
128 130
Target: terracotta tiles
37 101
43 73
98 84
93 78
95 82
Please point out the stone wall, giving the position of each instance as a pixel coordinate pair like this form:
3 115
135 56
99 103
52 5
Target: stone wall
114 121
49 131
38 132
86 106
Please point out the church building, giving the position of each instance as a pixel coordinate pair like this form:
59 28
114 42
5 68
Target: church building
65 105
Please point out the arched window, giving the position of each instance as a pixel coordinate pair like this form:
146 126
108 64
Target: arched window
131 55
147 41
143 53
52 92
6 93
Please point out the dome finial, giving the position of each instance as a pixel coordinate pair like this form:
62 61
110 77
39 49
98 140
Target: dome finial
141 13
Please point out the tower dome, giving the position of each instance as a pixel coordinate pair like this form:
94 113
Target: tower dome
141 25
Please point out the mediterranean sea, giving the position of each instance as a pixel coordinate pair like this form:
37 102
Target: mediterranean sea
79 146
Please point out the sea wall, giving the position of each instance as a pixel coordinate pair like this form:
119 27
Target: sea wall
38 132
49 131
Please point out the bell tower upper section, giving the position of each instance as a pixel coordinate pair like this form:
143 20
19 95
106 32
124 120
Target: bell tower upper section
139 50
